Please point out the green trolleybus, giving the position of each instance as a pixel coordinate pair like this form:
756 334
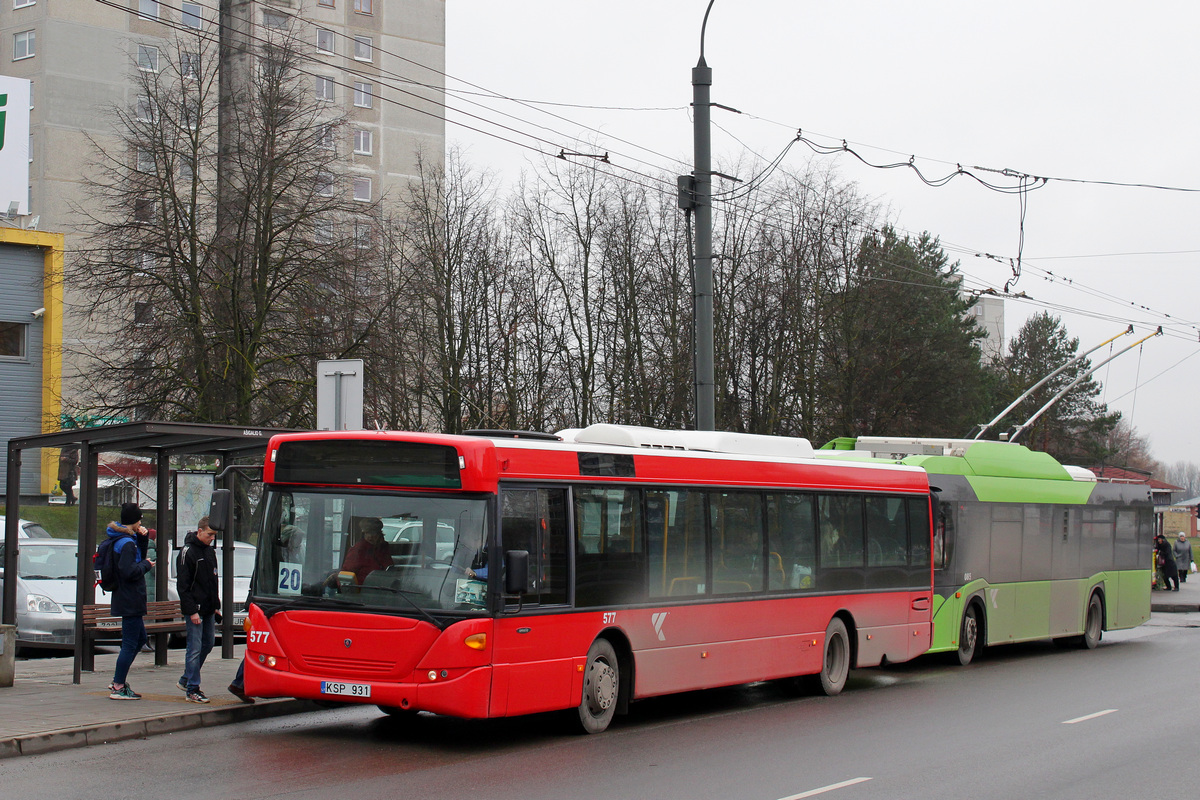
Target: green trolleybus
1025 548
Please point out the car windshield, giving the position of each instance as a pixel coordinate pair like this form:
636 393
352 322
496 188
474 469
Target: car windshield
389 551
37 562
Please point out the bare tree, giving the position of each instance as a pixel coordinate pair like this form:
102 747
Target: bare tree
188 327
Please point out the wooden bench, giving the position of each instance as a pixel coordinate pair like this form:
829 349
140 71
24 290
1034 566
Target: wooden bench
162 616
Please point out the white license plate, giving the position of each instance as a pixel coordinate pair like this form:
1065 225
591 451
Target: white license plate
351 689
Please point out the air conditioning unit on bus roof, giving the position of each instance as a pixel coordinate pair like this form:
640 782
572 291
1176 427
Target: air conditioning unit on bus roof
708 441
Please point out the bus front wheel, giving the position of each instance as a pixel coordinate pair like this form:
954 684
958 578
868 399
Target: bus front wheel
968 636
835 667
601 687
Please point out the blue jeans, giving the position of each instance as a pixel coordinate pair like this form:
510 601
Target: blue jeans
239 680
200 638
133 639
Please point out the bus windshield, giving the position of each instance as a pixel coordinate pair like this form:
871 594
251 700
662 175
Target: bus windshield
381 551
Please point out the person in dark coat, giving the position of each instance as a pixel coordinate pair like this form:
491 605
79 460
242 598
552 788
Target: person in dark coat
68 471
1166 563
200 602
129 598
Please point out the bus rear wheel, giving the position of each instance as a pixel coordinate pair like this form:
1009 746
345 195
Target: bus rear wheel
835 667
968 636
601 687
1093 626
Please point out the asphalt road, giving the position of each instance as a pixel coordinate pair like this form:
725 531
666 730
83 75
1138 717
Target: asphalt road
1026 721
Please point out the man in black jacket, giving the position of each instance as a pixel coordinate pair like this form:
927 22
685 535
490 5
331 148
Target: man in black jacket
200 603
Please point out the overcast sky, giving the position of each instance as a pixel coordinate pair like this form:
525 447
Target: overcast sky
1097 91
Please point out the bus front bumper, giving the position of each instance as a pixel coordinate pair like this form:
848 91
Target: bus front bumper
465 694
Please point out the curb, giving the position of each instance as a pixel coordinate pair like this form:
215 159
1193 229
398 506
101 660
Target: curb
104 733
1175 608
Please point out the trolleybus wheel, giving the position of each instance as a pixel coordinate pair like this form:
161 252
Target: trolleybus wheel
836 665
968 637
1093 626
601 687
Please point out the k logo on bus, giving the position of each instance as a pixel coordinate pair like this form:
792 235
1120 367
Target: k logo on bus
657 621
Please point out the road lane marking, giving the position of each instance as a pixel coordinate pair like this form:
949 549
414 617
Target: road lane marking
824 789
1089 716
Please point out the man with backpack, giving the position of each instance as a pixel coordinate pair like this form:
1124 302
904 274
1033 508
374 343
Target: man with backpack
128 542
200 603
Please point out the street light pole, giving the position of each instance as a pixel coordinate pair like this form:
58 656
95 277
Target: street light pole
704 381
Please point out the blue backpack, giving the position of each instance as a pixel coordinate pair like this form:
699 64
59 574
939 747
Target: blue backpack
105 561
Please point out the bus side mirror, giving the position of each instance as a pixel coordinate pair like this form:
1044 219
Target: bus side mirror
516 571
218 510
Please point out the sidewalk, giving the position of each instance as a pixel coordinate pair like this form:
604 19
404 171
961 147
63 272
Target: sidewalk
43 711
1186 599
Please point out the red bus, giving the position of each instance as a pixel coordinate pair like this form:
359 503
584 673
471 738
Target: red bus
498 574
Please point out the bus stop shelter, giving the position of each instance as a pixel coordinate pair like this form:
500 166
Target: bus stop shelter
160 441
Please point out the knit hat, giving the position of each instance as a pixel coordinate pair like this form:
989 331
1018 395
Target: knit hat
130 513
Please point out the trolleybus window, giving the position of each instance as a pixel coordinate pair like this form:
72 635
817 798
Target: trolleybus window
535 520
740 559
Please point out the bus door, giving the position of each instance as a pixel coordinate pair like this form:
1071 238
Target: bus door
533 664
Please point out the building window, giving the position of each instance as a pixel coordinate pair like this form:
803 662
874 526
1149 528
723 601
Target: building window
362 235
362 48
363 143
143 209
323 232
145 110
24 45
148 9
325 184
143 312
362 6
324 88
362 94
13 336
189 65
147 58
193 15
274 21
362 190
324 41
189 112
326 3
325 138
145 160
22 3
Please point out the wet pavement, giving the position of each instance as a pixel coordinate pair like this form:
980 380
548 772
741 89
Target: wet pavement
44 711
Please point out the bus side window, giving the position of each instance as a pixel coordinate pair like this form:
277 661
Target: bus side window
678 555
610 560
792 537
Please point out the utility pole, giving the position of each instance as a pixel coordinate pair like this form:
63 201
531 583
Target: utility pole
701 198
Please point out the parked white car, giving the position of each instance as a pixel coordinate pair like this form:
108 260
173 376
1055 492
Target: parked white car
46 583
26 529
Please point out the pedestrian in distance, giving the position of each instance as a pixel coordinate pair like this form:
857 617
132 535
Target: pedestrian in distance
1165 559
200 602
68 471
1183 556
129 596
